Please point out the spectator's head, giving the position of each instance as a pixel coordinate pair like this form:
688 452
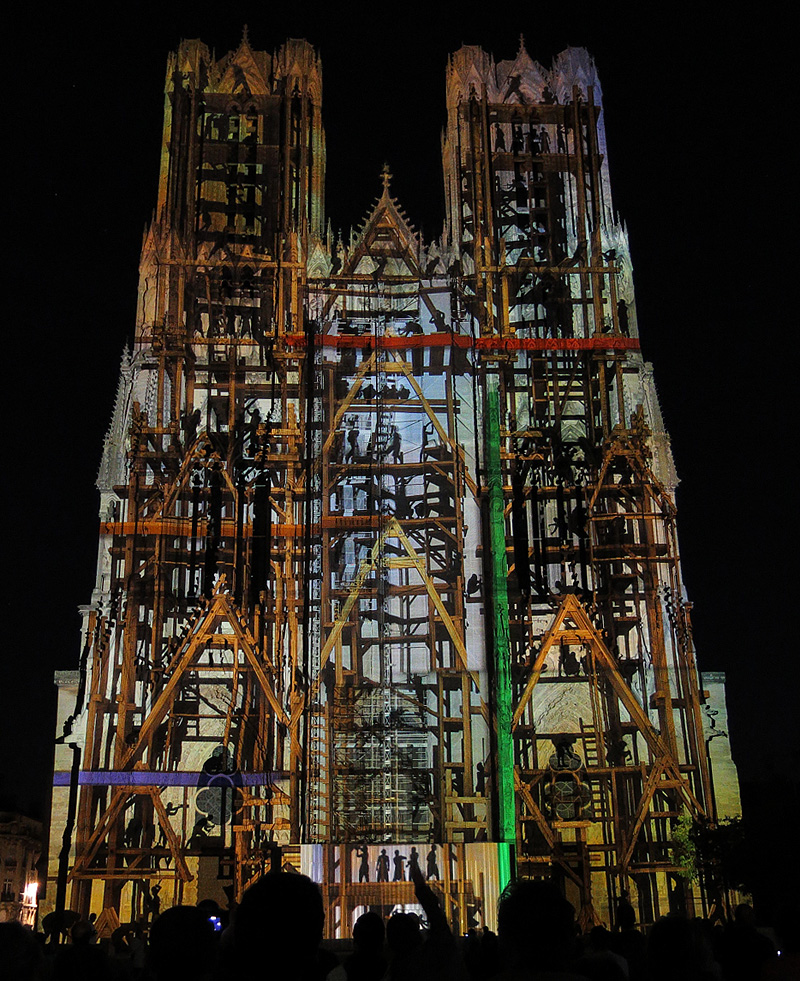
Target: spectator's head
600 938
282 911
182 943
535 924
403 933
369 932
677 949
626 917
19 953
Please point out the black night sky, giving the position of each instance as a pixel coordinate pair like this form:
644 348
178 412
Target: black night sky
697 118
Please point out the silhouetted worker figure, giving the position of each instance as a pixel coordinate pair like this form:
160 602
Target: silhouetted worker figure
564 758
432 871
413 862
474 584
394 446
568 663
399 867
190 424
500 140
514 82
382 868
240 79
200 831
352 442
133 832
480 779
171 810
439 321
363 868
377 272
151 902
626 915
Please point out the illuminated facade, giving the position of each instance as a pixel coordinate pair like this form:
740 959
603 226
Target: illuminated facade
20 848
388 569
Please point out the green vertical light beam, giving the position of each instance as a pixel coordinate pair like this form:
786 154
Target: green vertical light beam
502 646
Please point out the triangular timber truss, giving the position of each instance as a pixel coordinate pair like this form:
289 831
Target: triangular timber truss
216 639
659 774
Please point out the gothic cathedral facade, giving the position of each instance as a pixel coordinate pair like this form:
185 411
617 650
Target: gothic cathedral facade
388 570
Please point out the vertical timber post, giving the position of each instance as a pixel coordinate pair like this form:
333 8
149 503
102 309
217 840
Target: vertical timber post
506 831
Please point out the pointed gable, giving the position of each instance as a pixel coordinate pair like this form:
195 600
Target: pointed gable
471 71
244 72
386 238
298 63
574 66
521 80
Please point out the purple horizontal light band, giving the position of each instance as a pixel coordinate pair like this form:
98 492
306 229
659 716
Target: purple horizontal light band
148 778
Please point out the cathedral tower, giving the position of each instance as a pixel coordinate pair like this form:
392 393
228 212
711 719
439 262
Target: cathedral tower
388 566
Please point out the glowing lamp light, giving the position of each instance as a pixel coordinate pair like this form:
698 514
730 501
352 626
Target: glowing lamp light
31 891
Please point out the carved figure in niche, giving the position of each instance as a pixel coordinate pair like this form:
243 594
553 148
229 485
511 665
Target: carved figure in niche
382 868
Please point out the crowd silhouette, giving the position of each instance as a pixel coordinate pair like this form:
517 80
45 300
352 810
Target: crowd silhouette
276 934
